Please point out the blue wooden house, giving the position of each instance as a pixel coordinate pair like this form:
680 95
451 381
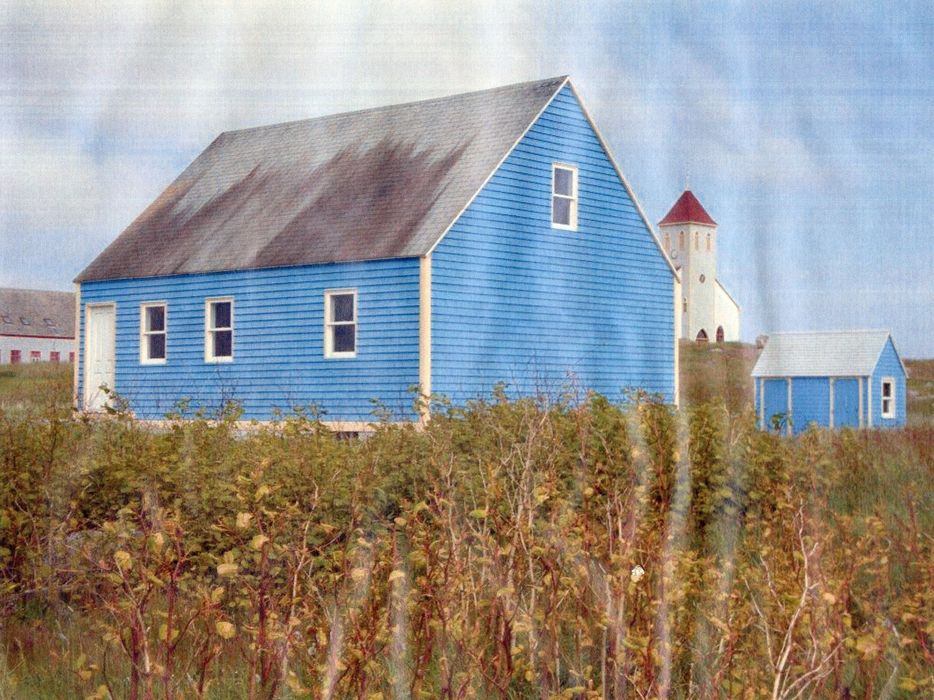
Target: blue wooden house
831 379
448 244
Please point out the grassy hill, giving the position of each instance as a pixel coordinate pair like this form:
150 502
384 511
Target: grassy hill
716 370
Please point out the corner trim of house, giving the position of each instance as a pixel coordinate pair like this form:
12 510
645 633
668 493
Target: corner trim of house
424 333
78 345
676 289
831 384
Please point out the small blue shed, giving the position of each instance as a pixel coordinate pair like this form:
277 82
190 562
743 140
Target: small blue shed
832 379
448 244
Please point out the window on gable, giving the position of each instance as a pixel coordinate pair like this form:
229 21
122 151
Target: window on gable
888 397
563 196
218 330
153 333
340 323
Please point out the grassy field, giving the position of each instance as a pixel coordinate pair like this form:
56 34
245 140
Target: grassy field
511 550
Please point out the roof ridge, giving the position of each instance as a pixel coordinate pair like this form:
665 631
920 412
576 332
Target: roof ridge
556 79
835 331
31 289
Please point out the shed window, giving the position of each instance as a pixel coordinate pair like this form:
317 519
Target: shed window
888 397
16 356
5 318
55 356
25 321
340 323
49 322
218 330
564 196
35 356
153 333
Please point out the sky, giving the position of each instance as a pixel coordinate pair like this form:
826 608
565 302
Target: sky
806 130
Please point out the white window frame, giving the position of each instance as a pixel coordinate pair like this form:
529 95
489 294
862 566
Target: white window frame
329 352
209 330
883 398
573 198
144 333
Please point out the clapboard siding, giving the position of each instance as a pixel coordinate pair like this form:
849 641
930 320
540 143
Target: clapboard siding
775 395
278 342
810 397
889 366
517 301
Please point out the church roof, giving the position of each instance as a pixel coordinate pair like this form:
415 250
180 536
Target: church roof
687 210
378 183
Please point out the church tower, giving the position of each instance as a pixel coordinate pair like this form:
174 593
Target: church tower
689 236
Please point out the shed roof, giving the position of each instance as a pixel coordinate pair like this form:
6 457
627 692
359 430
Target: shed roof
36 312
687 210
822 354
378 183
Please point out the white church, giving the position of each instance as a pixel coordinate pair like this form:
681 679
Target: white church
706 311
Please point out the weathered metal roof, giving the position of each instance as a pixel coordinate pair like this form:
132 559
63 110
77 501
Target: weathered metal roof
37 313
821 354
378 183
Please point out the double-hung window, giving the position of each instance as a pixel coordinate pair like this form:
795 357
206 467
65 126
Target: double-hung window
340 323
153 333
563 196
888 397
218 330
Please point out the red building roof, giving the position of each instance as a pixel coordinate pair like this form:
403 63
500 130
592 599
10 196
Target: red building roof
687 210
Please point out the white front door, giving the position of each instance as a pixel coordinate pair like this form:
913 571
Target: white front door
99 350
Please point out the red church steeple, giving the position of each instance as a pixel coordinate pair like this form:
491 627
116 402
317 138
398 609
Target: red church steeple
687 210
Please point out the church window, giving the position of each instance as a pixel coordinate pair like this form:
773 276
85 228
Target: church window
708 242
668 242
681 240
702 336
720 334
684 304
703 278
696 241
